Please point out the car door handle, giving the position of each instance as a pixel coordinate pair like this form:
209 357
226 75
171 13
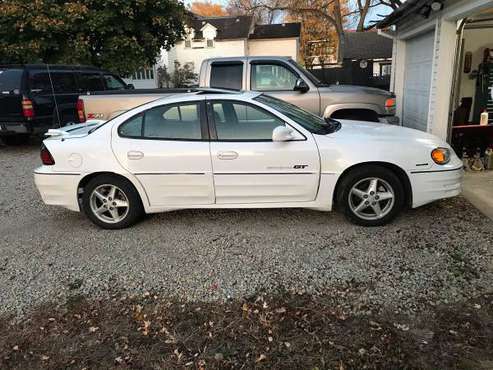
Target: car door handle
227 155
135 155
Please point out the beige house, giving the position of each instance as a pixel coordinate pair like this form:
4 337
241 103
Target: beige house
209 37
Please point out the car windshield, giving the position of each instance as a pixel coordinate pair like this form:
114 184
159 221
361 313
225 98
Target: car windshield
309 121
10 81
308 74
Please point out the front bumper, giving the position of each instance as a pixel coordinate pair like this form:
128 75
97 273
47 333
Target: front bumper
58 189
429 186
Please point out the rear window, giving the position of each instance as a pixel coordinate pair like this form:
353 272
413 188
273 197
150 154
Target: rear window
10 81
227 76
90 82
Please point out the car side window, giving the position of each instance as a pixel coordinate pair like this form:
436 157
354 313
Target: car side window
227 76
167 122
113 83
237 121
272 77
132 127
90 82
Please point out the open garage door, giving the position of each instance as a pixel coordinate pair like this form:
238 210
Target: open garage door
417 81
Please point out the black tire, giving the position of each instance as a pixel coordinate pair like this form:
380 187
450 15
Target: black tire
359 176
135 209
19 139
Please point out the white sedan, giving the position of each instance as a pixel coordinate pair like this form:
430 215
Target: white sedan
241 150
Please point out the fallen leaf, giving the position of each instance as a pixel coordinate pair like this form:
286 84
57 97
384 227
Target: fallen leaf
93 329
261 358
45 358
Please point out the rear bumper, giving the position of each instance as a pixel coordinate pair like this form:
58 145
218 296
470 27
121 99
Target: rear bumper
38 125
14 128
58 189
429 186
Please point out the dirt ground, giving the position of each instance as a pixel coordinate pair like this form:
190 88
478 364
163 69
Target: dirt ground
284 331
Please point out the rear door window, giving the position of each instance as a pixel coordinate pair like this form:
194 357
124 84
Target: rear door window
10 81
90 82
227 76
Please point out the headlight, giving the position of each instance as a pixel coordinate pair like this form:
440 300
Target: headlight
441 155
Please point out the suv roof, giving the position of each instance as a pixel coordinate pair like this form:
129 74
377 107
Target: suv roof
54 66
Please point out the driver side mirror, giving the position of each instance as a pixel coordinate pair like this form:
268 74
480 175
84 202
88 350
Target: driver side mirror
130 86
282 133
301 86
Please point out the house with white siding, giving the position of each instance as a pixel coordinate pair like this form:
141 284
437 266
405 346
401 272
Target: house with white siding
209 37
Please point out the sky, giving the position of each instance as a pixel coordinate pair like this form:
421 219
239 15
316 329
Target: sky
380 10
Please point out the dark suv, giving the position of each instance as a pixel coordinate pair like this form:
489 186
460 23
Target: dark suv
36 97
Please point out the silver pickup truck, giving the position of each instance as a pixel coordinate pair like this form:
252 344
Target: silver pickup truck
280 77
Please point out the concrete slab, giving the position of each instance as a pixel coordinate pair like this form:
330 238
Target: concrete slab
478 189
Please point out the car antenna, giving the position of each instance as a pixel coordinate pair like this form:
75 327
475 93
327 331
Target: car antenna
54 97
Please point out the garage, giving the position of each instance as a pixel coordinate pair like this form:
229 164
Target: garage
419 62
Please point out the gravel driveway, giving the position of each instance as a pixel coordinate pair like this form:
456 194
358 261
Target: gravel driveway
439 253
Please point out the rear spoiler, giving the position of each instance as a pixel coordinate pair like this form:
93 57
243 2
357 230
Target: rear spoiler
67 130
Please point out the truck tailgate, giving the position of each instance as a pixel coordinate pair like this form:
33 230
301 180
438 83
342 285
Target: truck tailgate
106 107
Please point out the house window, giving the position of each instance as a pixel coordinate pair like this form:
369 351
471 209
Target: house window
210 43
386 69
188 43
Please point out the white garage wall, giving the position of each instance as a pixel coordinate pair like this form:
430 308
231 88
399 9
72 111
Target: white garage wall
284 47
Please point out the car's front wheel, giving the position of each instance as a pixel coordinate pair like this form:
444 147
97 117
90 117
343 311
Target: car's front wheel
112 202
371 195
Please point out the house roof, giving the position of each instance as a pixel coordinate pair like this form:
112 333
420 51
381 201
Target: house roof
227 27
409 7
275 31
367 45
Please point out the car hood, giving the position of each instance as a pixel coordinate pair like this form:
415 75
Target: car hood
355 89
384 132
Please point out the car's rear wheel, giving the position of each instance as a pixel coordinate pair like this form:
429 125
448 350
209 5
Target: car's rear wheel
112 202
371 195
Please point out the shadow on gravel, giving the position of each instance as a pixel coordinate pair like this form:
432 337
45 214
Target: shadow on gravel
284 331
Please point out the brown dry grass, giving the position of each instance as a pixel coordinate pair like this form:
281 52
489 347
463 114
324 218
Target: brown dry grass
283 331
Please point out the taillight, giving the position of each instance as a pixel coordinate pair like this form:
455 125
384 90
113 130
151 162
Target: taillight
27 108
46 157
390 103
80 111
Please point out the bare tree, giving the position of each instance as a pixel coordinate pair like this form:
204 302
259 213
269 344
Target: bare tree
263 11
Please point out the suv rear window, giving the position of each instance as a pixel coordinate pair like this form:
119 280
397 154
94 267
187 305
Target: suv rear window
10 81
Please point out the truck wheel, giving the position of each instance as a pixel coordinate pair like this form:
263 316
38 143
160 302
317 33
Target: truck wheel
370 196
112 202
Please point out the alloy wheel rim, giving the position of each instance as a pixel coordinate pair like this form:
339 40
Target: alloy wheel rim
109 203
371 198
